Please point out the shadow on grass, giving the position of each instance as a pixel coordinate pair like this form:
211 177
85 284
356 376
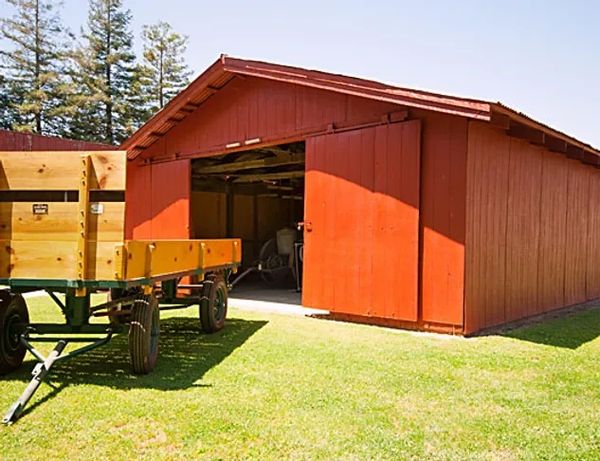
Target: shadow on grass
568 330
185 356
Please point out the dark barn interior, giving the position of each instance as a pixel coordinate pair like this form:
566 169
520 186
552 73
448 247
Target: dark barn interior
250 194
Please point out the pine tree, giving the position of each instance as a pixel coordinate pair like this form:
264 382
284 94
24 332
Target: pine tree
104 74
164 72
6 107
33 96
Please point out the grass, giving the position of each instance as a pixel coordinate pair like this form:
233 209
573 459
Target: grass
279 387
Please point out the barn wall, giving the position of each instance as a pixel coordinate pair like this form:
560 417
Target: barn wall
532 229
443 182
257 108
15 141
158 200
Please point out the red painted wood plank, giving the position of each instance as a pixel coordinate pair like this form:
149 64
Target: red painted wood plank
522 229
443 204
487 197
138 205
577 232
593 241
362 197
170 200
553 216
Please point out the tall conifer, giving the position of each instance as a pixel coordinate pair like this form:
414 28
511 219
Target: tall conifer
104 74
33 65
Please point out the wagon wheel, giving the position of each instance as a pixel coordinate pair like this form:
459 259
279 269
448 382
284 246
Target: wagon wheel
13 313
144 331
274 267
213 303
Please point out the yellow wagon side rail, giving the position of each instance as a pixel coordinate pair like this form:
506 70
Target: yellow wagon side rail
143 259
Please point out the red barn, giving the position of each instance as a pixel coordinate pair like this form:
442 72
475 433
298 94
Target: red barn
18 141
421 210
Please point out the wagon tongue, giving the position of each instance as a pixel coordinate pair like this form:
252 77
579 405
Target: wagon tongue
41 370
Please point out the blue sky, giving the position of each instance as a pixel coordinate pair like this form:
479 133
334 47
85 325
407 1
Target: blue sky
540 57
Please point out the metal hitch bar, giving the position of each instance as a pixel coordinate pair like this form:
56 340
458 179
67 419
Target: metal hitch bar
42 368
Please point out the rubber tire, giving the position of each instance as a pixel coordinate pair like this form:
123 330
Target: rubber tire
12 307
144 332
213 284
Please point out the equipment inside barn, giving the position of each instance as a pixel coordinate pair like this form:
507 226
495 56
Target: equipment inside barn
258 196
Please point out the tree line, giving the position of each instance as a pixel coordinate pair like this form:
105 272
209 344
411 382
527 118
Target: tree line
91 86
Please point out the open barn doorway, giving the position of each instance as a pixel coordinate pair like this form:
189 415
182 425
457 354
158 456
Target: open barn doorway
258 196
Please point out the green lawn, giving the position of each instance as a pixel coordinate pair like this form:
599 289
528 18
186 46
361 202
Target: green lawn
281 387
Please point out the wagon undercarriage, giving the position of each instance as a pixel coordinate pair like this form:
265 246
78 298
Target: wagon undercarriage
133 310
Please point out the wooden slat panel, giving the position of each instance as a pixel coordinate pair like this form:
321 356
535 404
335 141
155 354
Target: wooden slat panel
551 243
108 170
170 199
593 240
396 226
174 256
577 228
136 259
37 259
220 252
101 260
18 222
487 194
109 225
522 229
54 260
443 217
362 200
138 210
60 170
146 258
551 268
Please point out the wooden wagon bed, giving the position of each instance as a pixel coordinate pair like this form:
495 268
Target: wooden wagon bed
62 221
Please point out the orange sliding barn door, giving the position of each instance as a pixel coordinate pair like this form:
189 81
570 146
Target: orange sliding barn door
362 213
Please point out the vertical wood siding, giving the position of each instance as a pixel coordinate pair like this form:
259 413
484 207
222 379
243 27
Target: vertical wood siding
12 140
593 240
249 108
551 263
157 200
362 199
257 108
522 229
531 229
444 156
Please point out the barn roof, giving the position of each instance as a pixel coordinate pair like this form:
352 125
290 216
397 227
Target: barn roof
225 68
